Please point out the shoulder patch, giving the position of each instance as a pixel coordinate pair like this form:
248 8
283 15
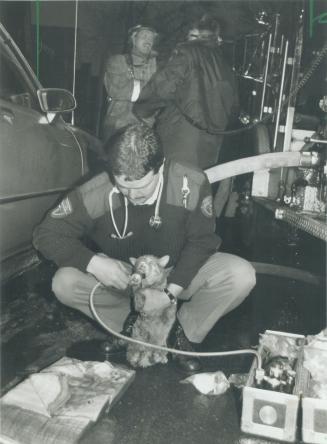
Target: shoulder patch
207 206
64 209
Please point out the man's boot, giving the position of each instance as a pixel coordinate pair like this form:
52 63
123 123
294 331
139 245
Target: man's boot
103 350
116 346
179 341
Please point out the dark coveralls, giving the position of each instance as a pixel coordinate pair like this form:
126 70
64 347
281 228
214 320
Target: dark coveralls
197 95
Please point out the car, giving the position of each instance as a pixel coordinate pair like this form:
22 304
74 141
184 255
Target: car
41 155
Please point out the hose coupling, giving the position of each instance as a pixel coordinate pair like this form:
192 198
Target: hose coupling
309 159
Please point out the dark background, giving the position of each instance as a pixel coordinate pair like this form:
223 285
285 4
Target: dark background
103 26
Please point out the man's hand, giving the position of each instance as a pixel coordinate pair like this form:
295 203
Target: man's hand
154 300
110 272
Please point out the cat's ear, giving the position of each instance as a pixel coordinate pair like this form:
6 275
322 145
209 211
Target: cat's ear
163 261
132 260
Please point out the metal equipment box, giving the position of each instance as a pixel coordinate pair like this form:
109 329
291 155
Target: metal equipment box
269 413
314 425
314 419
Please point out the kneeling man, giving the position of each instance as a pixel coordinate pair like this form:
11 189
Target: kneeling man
144 204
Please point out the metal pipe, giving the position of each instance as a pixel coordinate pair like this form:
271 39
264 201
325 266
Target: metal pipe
280 95
75 50
265 78
281 50
244 55
312 140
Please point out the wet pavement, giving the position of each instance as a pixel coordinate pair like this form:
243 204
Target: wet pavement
156 409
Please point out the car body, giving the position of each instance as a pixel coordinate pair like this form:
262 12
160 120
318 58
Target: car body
41 155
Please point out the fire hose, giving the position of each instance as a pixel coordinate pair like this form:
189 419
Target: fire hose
261 162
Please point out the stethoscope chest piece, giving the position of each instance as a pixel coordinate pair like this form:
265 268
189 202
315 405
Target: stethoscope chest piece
155 222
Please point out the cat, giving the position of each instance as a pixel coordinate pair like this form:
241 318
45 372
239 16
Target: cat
154 327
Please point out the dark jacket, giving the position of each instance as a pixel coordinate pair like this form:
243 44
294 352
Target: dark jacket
196 91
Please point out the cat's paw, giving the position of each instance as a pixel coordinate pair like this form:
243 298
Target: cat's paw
160 358
133 358
145 360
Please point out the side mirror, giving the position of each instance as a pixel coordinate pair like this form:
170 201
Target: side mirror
55 100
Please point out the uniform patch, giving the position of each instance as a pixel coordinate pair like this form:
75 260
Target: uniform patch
64 209
207 206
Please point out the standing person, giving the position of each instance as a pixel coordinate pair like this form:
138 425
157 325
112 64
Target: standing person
126 75
197 95
139 206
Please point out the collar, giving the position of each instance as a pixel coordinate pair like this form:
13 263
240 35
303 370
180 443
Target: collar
151 200
137 60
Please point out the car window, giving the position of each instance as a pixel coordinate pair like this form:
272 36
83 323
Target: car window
14 86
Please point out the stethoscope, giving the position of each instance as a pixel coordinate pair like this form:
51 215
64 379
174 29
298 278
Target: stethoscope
155 220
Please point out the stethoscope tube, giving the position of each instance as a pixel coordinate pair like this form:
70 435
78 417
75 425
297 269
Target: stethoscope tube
118 234
155 221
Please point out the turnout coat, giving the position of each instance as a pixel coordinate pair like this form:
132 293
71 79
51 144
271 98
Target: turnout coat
196 93
120 73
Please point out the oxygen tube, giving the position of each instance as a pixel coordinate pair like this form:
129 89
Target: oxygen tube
166 349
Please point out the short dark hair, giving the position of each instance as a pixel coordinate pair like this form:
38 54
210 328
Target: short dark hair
209 26
134 151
